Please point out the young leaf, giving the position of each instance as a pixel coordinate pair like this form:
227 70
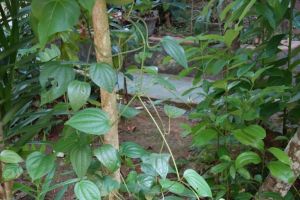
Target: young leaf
197 182
11 172
280 155
103 75
87 190
108 156
39 164
175 50
132 150
81 158
246 158
8 156
57 16
281 171
78 93
173 112
91 121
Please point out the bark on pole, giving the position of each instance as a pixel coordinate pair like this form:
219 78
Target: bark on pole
271 184
103 53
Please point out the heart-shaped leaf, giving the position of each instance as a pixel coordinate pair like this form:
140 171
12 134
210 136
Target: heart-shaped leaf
173 112
103 75
78 93
159 162
91 121
197 182
108 156
132 150
11 172
39 164
87 190
175 50
81 158
8 156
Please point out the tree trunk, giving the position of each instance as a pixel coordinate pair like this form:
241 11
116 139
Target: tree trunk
104 54
272 184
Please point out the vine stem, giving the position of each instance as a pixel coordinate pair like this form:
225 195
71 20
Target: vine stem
162 135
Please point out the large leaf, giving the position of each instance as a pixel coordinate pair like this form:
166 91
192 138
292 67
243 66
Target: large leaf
11 171
197 182
132 150
91 121
81 158
173 112
8 156
58 77
159 162
203 137
87 190
175 50
103 75
108 156
246 158
56 16
78 93
176 188
280 155
281 171
39 164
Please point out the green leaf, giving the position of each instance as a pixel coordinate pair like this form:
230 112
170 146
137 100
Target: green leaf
87 190
244 173
132 150
246 158
8 156
119 2
281 171
197 182
219 168
91 121
216 67
176 188
280 155
230 35
175 50
78 93
108 156
145 181
103 75
81 158
39 164
107 185
127 111
11 172
159 162
58 77
87 4
203 137
56 16
173 112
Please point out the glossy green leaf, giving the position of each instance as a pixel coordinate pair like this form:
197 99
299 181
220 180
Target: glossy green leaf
132 150
280 155
8 156
103 75
108 156
145 181
173 112
246 158
87 190
159 162
197 182
78 93
175 50
58 77
39 164
176 188
108 185
91 121
56 16
281 171
11 172
203 137
81 158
